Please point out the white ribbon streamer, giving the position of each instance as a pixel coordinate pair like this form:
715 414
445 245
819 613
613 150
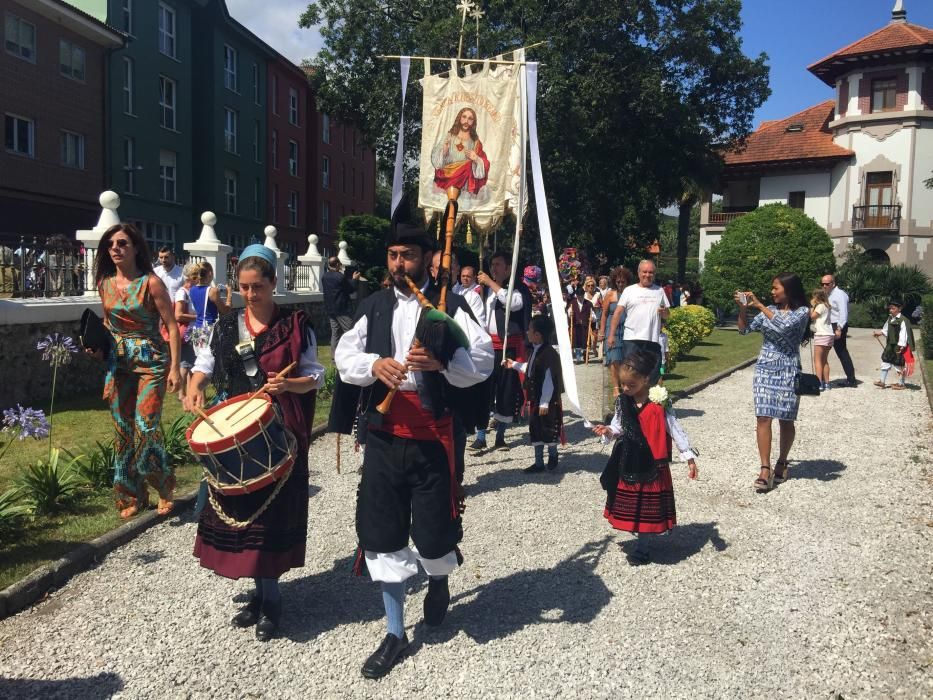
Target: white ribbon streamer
404 64
547 246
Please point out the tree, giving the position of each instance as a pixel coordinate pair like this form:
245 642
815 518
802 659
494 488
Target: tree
757 247
630 94
365 236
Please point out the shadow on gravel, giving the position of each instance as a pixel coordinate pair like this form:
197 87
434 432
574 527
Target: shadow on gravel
683 542
689 412
569 592
103 685
819 469
324 601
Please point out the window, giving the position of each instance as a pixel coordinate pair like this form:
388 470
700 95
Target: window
127 23
167 102
275 149
168 161
353 181
20 38
230 188
72 150
256 84
883 95
129 165
256 156
128 100
795 200
343 139
257 213
325 173
293 209
19 135
71 59
362 184
325 218
275 94
325 128
293 106
293 159
275 204
156 235
230 130
230 81
166 30
343 177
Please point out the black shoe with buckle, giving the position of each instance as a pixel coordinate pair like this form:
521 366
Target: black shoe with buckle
249 613
385 657
436 601
268 623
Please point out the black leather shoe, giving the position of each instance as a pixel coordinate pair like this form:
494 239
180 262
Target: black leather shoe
534 469
477 445
436 601
249 613
268 623
384 658
552 463
500 444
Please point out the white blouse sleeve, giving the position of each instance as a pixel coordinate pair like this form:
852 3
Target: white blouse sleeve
679 436
354 364
308 364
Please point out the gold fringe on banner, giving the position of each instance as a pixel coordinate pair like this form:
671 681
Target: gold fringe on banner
438 232
469 235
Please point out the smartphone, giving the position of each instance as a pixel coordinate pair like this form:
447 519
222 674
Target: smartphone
743 298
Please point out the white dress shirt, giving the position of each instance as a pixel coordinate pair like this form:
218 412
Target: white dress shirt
172 279
466 368
901 335
490 305
839 307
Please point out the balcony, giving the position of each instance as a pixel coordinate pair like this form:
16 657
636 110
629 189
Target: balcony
876 217
725 217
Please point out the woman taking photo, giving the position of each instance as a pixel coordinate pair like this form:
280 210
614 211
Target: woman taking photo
274 541
785 326
140 366
823 335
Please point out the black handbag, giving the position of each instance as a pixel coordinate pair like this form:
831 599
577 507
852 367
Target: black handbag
806 384
93 334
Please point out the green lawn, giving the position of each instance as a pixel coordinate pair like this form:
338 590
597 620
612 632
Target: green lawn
720 351
78 422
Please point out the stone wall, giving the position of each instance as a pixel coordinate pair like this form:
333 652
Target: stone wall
26 378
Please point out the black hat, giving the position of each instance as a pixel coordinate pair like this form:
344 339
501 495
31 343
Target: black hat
895 302
406 231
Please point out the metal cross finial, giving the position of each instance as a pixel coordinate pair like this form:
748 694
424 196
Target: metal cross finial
477 14
464 7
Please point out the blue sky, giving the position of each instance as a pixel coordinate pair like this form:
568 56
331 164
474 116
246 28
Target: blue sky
794 33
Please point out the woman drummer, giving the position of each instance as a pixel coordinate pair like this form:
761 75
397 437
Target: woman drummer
247 350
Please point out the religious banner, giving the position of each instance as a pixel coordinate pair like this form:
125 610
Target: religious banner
471 142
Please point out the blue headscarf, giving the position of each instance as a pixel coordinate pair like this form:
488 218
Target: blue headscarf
256 250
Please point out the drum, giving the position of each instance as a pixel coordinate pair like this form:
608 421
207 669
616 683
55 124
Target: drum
242 444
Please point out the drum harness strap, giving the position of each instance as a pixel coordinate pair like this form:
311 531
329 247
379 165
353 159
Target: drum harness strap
246 350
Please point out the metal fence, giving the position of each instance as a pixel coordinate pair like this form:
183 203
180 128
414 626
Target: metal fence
42 267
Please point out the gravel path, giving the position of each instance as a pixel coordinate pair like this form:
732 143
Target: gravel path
821 587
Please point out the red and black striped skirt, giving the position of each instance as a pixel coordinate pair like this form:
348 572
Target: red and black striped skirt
644 507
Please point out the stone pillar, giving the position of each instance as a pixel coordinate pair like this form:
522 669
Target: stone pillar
314 261
209 247
109 201
343 256
280 258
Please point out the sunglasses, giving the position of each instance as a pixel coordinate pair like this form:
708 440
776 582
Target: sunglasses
825 284
119 243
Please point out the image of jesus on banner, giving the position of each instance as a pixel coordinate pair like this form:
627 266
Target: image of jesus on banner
458 158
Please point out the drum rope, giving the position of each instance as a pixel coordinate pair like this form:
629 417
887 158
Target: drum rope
240 524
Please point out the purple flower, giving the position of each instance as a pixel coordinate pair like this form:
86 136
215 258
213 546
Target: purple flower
29 422
57 349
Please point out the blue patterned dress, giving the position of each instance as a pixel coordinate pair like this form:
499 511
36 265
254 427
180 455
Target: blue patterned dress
778 362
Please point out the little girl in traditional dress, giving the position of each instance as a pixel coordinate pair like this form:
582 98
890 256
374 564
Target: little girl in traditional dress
637 477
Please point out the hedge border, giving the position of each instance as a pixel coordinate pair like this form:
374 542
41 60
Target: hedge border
37 585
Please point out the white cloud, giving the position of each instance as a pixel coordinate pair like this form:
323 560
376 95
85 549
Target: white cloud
276 23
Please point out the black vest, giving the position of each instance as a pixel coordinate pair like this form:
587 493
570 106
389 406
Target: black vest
351 401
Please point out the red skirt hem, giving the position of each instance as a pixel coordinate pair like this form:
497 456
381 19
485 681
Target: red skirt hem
249 563
644 508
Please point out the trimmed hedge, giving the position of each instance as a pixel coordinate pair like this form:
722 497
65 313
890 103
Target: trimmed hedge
926 326
687 326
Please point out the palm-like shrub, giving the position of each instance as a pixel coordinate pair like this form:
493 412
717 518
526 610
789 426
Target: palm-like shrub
13 511
97 469
870 286
176 445
49 485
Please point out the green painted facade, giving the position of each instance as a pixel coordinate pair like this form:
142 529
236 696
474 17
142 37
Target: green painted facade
202 30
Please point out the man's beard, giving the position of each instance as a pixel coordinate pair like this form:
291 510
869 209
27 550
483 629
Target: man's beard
402 284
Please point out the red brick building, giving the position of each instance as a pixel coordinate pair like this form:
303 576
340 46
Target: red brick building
52 99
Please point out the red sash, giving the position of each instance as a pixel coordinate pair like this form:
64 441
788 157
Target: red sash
408 419
515 342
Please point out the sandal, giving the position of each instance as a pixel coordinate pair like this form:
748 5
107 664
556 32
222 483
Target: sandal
763 485
781 477
879 384
898 387
128 513
165 507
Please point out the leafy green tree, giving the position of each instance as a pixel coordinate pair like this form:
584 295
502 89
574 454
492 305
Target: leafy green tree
630 94
757 247
365 236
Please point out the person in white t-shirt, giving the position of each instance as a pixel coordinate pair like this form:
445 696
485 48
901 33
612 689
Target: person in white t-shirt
645 305
169 271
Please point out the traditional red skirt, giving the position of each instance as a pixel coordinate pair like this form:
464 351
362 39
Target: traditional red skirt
644 507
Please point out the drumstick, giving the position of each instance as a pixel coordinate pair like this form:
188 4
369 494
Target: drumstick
207 419
256 393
